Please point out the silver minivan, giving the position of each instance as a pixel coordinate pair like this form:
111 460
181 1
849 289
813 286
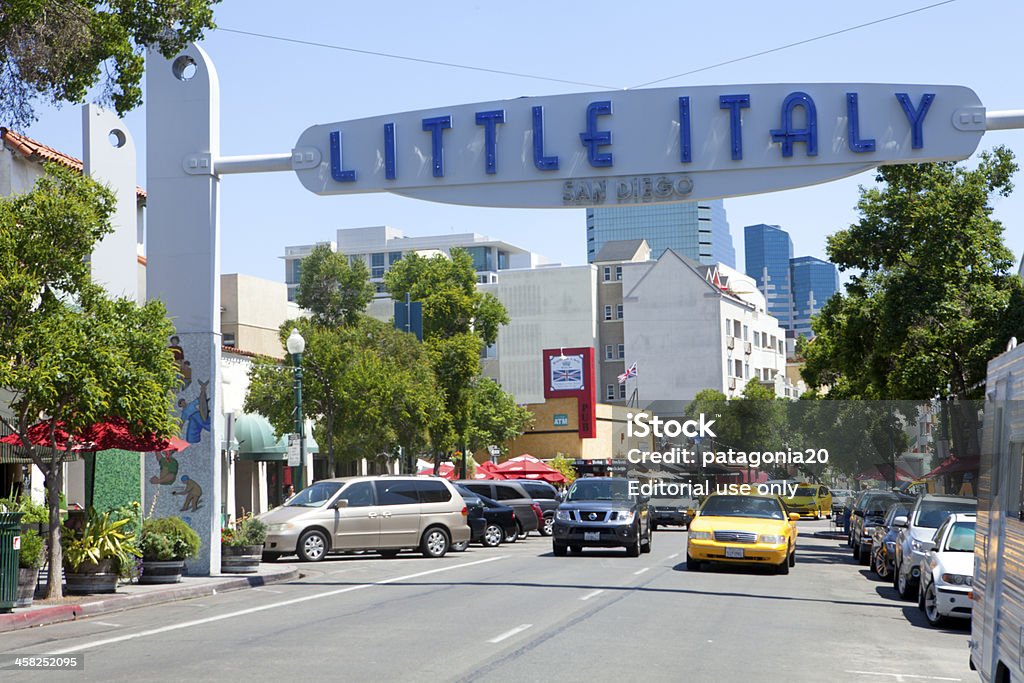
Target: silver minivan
382 514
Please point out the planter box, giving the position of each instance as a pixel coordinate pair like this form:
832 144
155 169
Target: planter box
90 577
240 559
154 571
27 580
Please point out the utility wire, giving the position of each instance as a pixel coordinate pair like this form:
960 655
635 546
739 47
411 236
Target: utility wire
799 42
415 59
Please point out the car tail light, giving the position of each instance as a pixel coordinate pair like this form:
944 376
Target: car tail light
538 511
513 514
465 512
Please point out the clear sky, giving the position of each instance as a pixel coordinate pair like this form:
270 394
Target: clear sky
271 91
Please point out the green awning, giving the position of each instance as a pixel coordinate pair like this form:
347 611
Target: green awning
256 442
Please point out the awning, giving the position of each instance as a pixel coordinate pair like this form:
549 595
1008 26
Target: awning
19 455
257 442
953 464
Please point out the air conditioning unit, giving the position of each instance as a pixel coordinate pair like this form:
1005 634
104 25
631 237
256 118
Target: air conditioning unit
732 382
730 342
747 348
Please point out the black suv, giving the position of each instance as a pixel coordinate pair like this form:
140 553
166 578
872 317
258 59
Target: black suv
545 495
598 512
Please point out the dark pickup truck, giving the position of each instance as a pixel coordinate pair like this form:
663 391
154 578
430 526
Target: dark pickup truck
598 512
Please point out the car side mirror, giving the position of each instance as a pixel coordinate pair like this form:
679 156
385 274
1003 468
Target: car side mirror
561 496
794 516
340 503
858 513
900 521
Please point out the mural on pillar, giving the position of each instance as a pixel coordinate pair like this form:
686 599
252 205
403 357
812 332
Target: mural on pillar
195 414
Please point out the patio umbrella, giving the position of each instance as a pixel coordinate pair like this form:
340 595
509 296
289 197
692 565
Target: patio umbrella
487 470
527 469
109 434
446 470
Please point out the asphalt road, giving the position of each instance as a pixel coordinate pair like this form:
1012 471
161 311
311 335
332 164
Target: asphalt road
516 613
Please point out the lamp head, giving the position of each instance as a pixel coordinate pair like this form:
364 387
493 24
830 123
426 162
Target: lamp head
296 344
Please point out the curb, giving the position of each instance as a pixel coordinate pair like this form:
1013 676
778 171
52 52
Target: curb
61 613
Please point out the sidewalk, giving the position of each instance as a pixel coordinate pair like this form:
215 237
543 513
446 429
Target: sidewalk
129 596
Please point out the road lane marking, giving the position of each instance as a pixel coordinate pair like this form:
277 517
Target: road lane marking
510 633
267 590
638 572
106 623
262 608
901 677
592 594
672 556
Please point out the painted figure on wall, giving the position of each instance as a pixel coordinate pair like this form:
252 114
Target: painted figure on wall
192 492
168 469
195 415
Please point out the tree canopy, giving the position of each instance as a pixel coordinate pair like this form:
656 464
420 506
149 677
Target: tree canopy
73 355
56 50
333 288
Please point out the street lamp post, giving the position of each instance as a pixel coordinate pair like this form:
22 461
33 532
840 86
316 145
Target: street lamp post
296 345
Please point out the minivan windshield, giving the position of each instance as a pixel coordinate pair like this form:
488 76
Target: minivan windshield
314 496
599 489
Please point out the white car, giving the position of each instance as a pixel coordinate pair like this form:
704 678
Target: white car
947 571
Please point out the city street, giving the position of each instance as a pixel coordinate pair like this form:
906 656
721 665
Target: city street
518 613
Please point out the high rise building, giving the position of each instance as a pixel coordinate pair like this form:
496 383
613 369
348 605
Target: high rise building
768 252
814 282
697 230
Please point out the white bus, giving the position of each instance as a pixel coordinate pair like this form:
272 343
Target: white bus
997 628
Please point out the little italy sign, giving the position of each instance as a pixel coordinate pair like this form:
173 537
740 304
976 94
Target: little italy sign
641 146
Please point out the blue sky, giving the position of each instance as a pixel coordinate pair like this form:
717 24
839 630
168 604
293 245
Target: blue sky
271 91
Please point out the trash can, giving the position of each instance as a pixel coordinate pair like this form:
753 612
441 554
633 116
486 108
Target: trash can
10 548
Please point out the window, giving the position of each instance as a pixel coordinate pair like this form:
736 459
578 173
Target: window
609 353
537 490
503 260
610 392
618 311
359 494
608 312
390 492
508 493
757 339
746 333
737 368
728 327
295 272
394 257
480 489
607 273
377 264
735 328
622 391
433 492
622 350
228 339
746 371
618 272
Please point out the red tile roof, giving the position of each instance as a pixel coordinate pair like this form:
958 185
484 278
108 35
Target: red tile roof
37 151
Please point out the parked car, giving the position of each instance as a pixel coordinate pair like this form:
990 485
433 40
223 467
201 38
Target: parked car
916 533
883 539
528 513
474 517
546 496
672 511
867 513
810 500
742 529
381 514
947 572
499 521
841 499
598 512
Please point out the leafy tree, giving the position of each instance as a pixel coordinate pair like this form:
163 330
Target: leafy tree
458 321
563 464
73 356
494 417
58 49
335 290
934 295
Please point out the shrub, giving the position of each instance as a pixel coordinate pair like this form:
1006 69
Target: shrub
31 555
168 538
246 531
101 539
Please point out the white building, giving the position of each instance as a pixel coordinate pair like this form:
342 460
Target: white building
381 246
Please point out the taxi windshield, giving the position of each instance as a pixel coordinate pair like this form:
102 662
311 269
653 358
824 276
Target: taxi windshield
742 506
805 491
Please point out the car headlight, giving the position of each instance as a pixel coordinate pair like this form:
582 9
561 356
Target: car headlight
771 539
285 526
868 530
625 516
890 545
958 579
917 546
700 535
563 515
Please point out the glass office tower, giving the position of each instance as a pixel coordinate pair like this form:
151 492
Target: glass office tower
698 230
814 281
769 250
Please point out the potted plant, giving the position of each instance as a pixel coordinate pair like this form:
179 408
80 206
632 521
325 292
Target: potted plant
241 546
30 561
166 543
97 557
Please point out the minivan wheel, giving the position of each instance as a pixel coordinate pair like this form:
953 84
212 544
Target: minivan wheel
312 546
549 526
435 542
492 536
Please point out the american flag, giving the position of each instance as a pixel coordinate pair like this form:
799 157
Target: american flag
628 373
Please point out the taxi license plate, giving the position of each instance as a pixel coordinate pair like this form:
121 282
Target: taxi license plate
591 535
734 552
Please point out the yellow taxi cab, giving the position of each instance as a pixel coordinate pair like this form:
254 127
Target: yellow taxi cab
810 500
742 529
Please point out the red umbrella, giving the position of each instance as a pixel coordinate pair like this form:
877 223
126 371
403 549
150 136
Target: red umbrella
487 470
446 470
528 469
101 436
